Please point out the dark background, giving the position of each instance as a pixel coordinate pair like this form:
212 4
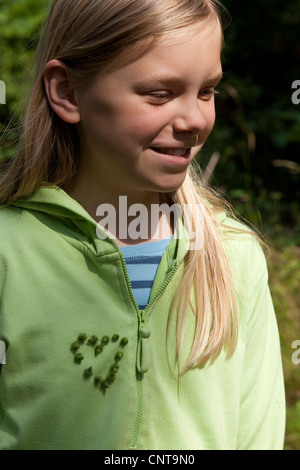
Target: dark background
258 127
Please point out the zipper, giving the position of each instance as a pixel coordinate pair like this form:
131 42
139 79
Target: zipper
129 283
143 354
167 281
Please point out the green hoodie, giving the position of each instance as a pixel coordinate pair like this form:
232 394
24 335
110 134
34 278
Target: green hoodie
86 369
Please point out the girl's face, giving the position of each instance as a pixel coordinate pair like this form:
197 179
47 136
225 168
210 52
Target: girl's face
142 124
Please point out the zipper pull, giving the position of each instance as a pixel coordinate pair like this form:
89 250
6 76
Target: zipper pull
143 354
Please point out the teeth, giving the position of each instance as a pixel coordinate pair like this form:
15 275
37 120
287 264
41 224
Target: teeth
175 152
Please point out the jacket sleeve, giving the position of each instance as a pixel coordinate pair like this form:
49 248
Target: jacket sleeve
262 402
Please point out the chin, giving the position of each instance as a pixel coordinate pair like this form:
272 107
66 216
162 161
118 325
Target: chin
170 190
172 184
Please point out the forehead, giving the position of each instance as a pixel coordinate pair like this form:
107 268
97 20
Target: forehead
206 28
194 50
175 39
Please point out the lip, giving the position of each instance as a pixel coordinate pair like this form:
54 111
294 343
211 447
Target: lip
173 152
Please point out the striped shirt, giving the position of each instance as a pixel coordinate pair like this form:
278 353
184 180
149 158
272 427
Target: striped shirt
142 262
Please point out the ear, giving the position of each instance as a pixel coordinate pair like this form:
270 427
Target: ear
60 93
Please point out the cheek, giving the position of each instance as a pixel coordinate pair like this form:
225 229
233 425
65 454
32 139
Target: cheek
142 126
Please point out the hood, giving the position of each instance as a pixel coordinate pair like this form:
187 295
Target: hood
55 202
64 210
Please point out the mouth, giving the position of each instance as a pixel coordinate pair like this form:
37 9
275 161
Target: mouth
174 152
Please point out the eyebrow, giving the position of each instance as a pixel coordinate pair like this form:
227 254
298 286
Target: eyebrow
171 79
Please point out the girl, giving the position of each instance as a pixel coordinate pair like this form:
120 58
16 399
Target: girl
115 340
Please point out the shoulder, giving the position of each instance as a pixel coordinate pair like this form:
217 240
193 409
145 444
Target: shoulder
244 249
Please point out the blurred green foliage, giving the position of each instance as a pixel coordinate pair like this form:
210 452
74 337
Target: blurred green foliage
255 141
284 275
20 23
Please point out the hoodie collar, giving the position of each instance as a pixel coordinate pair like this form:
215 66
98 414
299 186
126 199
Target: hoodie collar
55 202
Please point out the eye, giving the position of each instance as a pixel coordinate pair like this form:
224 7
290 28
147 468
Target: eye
208 93
159 96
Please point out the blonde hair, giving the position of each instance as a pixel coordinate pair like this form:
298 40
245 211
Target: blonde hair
207 279
89 36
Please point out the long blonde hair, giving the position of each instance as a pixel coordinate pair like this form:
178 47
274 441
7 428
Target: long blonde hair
89 37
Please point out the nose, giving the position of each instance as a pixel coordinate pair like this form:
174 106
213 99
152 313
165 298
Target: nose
191 117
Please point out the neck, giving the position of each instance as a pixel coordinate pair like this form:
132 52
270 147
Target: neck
131 217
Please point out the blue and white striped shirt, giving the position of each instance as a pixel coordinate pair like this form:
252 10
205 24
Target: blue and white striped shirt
142 262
